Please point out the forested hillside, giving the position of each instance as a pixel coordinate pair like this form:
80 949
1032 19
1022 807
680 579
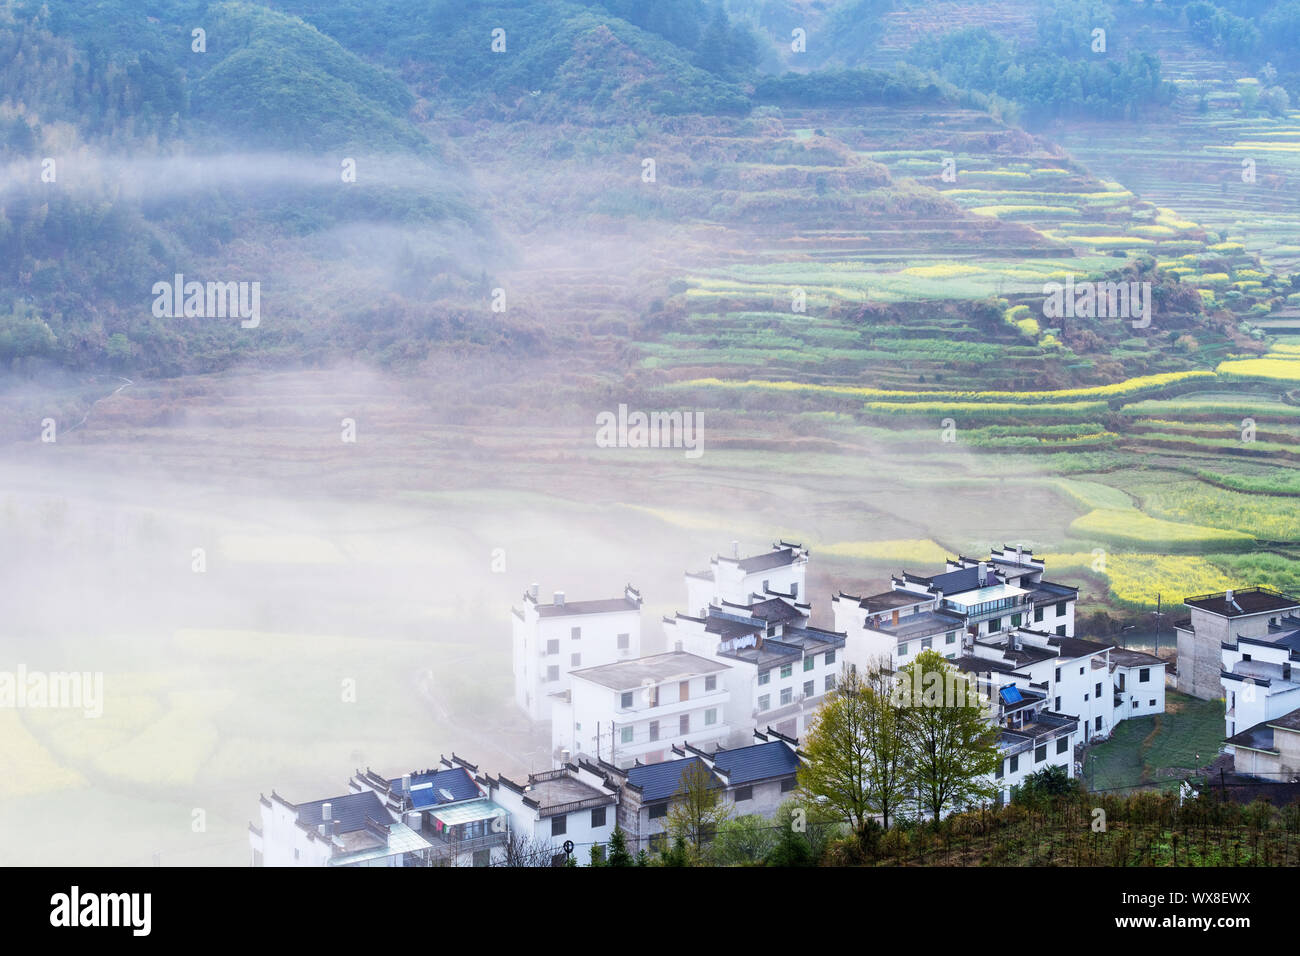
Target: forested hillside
210 139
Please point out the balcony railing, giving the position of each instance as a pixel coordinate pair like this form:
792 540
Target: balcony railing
442 845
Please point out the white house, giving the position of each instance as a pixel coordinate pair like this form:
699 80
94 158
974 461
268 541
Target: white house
1260 677
1033 733
971 599
1139 684
778 572
628 711
778 674
447 806
1221 618
1078 677
552 640
1269 750
754 779
353 829
575 803
1030 738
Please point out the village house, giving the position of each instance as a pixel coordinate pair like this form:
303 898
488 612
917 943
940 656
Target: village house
1222 618
752 620
629 710
575 803
1269 750
1260 676
754 779
448 807
353 829
947 612
778 572
1139 684
552 640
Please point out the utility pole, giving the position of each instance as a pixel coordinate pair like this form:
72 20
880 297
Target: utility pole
1159 615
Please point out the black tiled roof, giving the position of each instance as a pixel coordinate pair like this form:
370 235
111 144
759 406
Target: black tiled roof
586 607
746 765
1245 601
773 559
349 812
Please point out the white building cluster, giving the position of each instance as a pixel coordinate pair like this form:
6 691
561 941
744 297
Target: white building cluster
744 657
740 684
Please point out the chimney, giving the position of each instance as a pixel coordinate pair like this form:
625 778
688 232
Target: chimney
1227 597
325 809
735 550
532 591
983 574
559 599
406 783
1020 554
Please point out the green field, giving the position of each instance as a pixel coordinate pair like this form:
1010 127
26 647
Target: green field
1160 750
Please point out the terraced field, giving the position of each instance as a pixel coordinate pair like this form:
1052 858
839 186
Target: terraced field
923 339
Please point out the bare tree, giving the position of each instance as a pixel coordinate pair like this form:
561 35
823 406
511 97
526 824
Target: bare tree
523 850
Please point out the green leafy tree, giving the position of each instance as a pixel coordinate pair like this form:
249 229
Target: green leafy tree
950 741
1045 785
697 808
856 751
746 839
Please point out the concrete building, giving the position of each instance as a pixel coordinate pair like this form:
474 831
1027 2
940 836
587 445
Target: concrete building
1139 684
778 572
754 779
552 640
971 599
778 673
576 802
448 807
1269 750
353 829
628 711
1260 677
1222 618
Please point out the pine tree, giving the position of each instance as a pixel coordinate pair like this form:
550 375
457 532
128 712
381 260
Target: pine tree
618 855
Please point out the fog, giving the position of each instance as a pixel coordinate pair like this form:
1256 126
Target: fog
391 562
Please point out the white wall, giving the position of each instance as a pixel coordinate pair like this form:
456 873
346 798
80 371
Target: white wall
598 644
